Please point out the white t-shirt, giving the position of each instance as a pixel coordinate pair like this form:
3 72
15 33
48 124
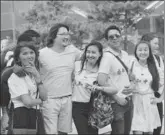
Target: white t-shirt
80 93
56 70
161 65
117 75
19 86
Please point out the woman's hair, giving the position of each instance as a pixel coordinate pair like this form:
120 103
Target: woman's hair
28 36
148 37
151 66
17 52
53 33
100 49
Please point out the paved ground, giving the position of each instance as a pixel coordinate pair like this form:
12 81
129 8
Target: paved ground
106 129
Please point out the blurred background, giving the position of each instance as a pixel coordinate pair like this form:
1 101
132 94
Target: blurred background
87 19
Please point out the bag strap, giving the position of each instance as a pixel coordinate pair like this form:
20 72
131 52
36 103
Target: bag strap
122 63
132 67
158 59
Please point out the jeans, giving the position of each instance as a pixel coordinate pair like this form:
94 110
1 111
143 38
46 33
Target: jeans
80 116
10 113
122 118
160 110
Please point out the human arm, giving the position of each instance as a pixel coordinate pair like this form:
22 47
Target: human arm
158 100
104 69
29 102
42 91
109 90
19 90
78 54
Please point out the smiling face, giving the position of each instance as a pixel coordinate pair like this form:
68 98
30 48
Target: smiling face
63 37
142 51
114 38
92 54
27 56
155 45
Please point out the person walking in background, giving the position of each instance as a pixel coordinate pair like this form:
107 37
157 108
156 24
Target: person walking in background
154 43
148 79
23 89
57 64
113 71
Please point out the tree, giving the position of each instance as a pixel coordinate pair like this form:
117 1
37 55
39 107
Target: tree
122 13
43 15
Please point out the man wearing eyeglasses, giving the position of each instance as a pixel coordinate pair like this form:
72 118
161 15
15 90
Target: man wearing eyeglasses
113 71
57 64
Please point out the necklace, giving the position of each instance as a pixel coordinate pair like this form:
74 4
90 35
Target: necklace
142 68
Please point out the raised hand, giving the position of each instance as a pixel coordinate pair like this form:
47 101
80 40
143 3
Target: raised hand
33 70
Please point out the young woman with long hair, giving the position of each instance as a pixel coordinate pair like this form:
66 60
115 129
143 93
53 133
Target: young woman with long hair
148 79
26 90
86 72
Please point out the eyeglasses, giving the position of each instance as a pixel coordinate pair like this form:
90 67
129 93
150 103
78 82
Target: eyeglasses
112 37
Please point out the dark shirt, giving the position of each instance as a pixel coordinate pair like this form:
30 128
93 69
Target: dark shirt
3 63
5 95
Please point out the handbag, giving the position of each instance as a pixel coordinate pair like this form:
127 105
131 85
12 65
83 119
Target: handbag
101 113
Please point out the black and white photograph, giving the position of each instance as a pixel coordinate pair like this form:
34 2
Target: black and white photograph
82 67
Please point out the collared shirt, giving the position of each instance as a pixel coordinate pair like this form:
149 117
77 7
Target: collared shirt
117 75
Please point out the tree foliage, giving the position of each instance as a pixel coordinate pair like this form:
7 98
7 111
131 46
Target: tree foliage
43 15
101 14
121 13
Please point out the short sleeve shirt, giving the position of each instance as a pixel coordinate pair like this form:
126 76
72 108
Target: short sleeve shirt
21 86
117 75
80 93
56 70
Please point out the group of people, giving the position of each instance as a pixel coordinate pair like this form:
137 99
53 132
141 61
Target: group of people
56 82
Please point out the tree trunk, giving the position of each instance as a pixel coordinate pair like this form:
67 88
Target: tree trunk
125 39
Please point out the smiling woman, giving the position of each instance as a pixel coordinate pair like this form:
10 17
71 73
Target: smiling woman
86 72
23 90
148 80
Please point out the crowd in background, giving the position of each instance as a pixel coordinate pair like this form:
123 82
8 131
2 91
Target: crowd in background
54 84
